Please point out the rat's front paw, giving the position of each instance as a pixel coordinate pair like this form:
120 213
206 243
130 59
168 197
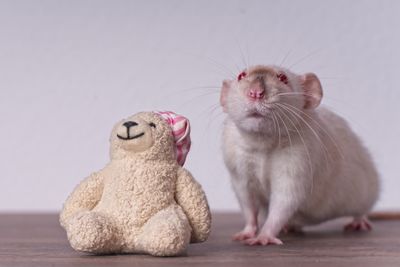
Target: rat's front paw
246 233
263 240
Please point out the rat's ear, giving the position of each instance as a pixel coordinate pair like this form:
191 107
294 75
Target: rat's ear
226 85
312 90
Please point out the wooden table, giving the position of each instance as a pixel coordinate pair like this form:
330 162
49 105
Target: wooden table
38 240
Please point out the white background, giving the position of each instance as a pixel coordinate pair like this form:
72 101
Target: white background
70 69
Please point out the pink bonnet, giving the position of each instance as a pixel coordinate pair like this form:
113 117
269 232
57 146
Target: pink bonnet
181 131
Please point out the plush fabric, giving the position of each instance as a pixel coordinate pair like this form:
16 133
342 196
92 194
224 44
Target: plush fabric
142 201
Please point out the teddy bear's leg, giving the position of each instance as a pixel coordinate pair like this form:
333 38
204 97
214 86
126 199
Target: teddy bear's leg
92 232
167 233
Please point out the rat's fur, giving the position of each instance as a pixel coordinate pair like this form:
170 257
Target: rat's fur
142 201
292 164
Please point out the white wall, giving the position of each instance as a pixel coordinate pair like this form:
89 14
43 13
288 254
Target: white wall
70 69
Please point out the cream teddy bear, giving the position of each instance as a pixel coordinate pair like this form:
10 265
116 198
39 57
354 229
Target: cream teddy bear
143 201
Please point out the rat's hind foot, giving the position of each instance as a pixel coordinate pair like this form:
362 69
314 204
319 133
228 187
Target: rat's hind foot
359 224
263 240
246 233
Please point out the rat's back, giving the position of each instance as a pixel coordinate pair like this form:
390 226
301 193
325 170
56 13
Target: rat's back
346 182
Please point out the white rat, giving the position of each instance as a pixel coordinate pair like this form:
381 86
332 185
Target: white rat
291 162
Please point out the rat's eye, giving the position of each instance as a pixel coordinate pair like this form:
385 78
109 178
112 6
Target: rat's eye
282 77
241 75
152 125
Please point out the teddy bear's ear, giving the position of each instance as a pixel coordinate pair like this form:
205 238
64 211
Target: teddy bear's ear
181 131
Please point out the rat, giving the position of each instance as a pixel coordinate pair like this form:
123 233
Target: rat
292 162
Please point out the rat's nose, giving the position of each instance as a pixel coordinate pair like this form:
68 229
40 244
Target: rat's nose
129 124
256 93
257 89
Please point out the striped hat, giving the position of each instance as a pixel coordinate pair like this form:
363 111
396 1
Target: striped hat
181 131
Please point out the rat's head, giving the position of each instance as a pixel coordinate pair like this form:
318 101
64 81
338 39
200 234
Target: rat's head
144 134
253 100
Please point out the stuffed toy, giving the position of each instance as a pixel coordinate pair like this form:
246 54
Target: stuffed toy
143 200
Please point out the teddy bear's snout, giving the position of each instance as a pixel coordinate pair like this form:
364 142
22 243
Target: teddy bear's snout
129 124
134 134
127 132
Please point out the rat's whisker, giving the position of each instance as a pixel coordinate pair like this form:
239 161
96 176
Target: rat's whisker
294 94
198 88
243 58
326 151
248 54
291 93
287 130
285 57
319 126
212 109
222 67
189 101
290 110
212 118
274 121
189 90
303 141
279 128
306 57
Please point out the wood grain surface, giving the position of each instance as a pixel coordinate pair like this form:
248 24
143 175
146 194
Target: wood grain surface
38 240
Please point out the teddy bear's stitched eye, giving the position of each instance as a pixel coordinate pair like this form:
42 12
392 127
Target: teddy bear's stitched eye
152 125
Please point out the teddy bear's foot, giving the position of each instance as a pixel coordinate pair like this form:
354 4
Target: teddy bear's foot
92 232
167 233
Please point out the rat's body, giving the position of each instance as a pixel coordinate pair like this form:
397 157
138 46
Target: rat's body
292 164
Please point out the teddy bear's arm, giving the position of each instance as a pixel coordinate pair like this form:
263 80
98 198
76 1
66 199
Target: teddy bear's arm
191 197
84 197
